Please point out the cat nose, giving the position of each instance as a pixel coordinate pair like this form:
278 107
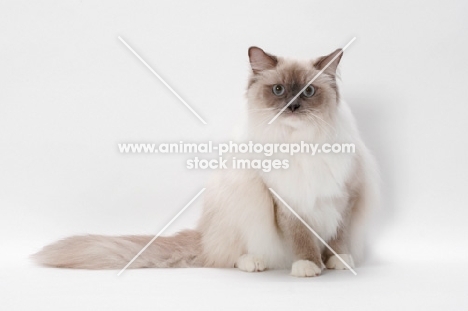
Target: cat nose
294 106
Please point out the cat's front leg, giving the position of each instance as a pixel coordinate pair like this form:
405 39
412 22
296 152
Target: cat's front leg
250 263
339 244
306 251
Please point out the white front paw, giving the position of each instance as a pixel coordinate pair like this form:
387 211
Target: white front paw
335 263
305 268
250 263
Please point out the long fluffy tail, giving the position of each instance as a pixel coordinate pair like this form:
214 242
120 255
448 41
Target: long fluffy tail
108 252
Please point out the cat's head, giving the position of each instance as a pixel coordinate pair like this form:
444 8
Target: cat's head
275 82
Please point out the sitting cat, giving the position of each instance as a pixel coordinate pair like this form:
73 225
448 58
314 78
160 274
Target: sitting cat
243 223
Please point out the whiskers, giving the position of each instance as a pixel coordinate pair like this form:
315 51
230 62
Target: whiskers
262 109
323 125
312 116
263 115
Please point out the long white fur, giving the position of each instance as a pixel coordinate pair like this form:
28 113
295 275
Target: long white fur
238 221
238 215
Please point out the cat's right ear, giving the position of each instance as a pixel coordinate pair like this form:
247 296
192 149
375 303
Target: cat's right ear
259 60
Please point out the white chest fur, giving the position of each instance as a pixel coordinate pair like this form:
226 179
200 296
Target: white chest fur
314 187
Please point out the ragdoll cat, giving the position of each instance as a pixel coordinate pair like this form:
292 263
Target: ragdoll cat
243 225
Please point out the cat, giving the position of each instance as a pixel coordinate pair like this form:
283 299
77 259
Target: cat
243 224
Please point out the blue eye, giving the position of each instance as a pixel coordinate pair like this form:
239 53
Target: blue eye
309 91
278 89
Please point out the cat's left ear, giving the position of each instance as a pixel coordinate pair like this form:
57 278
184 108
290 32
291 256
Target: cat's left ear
259 60
324 60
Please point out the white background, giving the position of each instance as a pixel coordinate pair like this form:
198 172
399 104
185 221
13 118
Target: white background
70 91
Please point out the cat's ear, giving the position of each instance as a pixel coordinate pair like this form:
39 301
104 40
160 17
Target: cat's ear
259 60
324 60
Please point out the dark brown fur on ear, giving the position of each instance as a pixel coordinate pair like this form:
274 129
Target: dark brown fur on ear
259 60
323 61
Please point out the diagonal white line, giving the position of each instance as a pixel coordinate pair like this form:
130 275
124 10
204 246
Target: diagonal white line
313 231
162 80
313 79
160 232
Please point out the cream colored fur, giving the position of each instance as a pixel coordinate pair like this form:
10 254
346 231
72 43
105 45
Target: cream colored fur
239 226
